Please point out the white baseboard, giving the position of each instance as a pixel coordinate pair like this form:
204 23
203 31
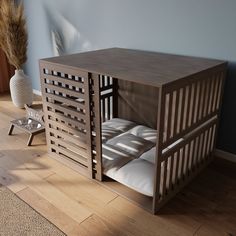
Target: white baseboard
225 155
37 92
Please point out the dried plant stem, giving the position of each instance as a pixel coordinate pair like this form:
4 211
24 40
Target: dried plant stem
13 34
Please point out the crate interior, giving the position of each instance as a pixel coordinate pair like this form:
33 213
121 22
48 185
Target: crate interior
124 107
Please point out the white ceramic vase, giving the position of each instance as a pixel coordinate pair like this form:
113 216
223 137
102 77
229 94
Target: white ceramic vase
21 89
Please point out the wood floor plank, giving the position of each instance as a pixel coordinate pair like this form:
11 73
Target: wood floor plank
86 185
10 181
207 230
45 189
77 189
167 223
96 225
117 220
50 212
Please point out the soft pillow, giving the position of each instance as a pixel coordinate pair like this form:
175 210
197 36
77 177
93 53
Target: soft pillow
119 124
109 132
144 132
149 156
131 144
138 175
114 158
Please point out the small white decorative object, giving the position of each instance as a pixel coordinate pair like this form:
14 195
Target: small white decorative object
21 89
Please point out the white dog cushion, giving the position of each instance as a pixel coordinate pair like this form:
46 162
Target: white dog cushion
144 132
131 144
114 158
119 124
149 156
138 175
109 132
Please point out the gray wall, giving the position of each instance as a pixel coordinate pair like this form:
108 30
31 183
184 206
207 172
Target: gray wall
204 28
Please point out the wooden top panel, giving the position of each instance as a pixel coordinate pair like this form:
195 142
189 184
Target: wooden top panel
150 68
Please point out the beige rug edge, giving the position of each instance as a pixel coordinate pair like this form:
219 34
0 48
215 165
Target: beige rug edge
17 217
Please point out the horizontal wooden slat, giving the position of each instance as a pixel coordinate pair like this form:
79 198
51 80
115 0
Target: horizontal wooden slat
188 139
107 95
75 132
104 88
188 130
68 137
65 69
67 119
67 91
70 154
70 146
64 80
65 109
66 100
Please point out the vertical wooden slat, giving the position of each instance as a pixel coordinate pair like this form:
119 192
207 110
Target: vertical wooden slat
182 163
211 95
171 160
166 114
204 145
208 142
103 110
193 104
177 167
169 116
103 81
189 156
158 168
196 109
201 148
97 111
191 162
109 108
88 126
213 137
185 111
182 109
164 178
177 107
215 93
206 98
189 101
202 96
212 141
196 152
115 97
186 159
106 108
173 114
219 92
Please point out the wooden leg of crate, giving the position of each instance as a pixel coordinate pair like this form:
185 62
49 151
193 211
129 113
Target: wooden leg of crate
11 129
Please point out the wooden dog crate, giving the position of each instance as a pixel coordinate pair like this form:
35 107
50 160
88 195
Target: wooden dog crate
178 96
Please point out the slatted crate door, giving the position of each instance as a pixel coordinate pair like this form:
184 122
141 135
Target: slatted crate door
186 157
106 97
96 126
67 114
189 106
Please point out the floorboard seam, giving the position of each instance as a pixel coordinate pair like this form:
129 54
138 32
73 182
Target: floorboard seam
197 229
111 200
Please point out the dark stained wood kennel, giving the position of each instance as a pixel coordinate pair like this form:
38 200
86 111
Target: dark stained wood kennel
178 96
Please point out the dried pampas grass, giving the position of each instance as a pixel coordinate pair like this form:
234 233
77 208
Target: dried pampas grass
13 34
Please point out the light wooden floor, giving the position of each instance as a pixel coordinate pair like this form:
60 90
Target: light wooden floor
79 206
